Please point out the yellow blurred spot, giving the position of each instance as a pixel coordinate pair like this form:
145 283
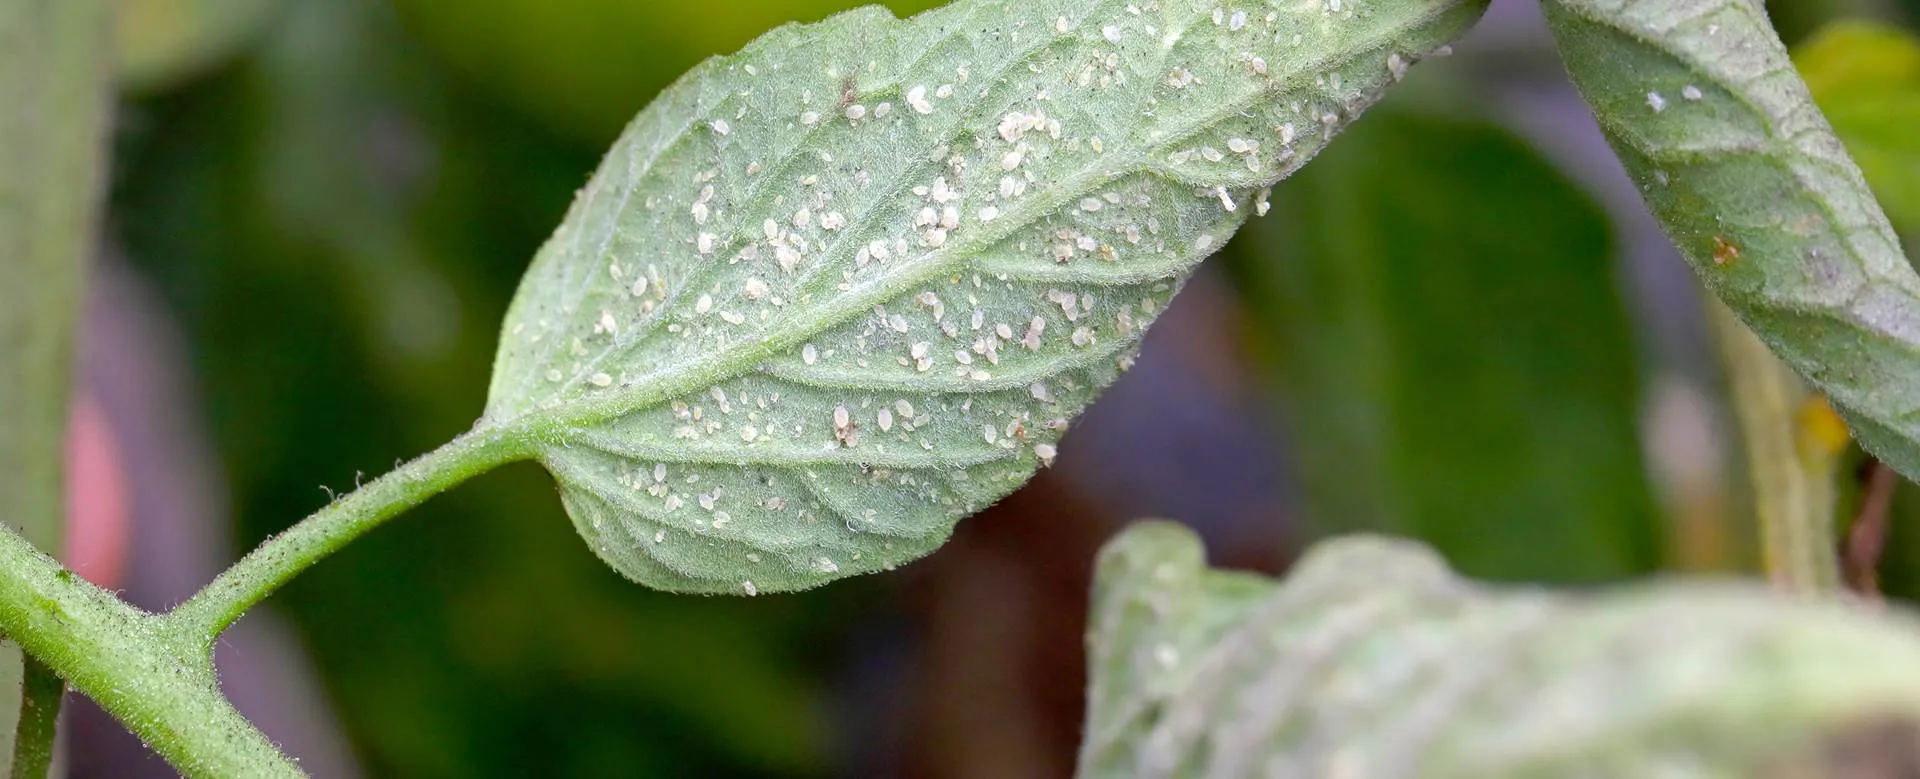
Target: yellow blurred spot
1852 56
1822 432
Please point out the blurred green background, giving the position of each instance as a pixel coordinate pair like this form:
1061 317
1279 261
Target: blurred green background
1457 324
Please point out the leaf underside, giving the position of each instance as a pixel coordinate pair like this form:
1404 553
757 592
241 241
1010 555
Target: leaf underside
1701 103
829 295
1372 659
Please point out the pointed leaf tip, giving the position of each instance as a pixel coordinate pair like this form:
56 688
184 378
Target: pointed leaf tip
829 295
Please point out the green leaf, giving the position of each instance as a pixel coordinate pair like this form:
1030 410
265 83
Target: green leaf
1452 352
1699 100
1866 79
1372 659
829 295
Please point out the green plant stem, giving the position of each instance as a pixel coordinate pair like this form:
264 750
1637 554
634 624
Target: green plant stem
158 683
40 693
280 558
1792 470
155 672
55 89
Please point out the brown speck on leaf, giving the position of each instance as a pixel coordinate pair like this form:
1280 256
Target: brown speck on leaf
1724 251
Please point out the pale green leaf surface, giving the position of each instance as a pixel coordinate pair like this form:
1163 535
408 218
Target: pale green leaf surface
1701 103
1866 79
1372 659
831 294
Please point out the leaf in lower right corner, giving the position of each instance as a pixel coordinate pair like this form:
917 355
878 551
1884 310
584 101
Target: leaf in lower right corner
1373 659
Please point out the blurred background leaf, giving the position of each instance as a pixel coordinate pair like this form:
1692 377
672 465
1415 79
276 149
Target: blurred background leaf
1372 658
56 83
612 55
1866 78
161 43
1450 348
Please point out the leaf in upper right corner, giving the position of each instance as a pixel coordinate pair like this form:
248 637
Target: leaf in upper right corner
1866 79
1373 659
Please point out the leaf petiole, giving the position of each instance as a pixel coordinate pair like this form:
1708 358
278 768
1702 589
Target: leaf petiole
278 559
155 672
132 664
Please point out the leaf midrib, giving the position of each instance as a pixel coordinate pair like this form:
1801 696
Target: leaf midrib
787 332
809 283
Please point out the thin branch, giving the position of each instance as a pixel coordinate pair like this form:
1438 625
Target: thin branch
1867 538
163 689
155 673
1791 458
212 610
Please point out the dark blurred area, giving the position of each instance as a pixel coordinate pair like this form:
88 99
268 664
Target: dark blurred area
1458 324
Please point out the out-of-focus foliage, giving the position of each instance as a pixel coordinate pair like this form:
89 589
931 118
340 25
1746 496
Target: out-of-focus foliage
1866 79
1450 348
1372 659
54 84
584 67
163 42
